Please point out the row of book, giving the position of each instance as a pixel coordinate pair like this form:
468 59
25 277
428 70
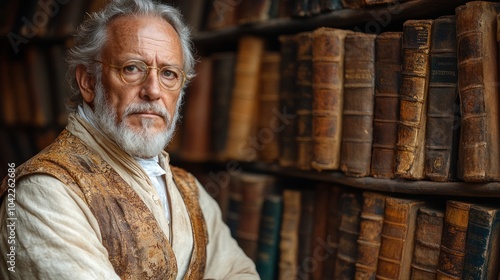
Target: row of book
417 104
325 231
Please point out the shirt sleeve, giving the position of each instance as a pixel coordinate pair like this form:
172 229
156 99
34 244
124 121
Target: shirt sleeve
52 232
225 259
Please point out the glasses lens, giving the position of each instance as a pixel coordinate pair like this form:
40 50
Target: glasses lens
133 72
171 77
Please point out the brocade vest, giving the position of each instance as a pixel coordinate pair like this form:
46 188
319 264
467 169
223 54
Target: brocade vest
137 247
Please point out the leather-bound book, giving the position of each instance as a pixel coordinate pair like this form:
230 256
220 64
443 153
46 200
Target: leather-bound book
268 242
482 250
413 99
195 144
452 251
319 236
478 89
370 233
223 66
352 4
289 234
388 59
332 231
249 11
443 113
327 101
288 72
306 231
303 83
220 15
254 188
357 114
398 232
242 118
350 213
428 233
269 99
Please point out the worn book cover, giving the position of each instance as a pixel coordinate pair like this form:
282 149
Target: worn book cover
289 234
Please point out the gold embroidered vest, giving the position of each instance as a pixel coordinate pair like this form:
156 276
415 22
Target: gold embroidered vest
137 247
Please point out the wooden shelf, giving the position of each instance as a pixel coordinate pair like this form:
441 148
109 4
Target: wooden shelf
489 189
372 18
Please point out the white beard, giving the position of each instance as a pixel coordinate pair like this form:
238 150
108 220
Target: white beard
143 144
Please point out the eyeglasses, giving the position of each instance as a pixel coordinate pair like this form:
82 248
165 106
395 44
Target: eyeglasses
134 72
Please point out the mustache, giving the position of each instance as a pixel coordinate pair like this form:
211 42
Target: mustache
149 108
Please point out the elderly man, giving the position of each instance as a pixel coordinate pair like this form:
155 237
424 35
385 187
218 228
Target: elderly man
102 202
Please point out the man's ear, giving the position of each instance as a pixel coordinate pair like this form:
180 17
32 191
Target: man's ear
86 84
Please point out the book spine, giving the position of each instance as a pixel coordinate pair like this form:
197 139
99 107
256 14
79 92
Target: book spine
441 143
370 230
268 247
413 103
357 114
452 251
478 89
288 147
332 230
327 102
306 228
223 79
289 234
398 232
244 101
428 234
350 211
304 100
482 248
267 132
388 59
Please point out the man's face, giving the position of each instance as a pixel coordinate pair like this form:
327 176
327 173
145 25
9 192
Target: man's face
145 110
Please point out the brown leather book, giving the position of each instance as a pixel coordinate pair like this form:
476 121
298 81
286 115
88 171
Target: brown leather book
269 99
413 103
443 113
221 15
287 142
370 233
195 144
289 234
398 232
350 213
327 103
452 249
357 114
352 4
249 11
304 100
388 59
254 188
306 231
428 233
478 90
319 250
222 85
242 118
332 231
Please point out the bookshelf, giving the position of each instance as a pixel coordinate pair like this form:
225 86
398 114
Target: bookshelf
20 140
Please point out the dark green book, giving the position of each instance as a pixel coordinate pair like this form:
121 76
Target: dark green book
481 248
268 242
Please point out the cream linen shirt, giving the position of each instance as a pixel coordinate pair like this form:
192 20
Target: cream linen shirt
57 236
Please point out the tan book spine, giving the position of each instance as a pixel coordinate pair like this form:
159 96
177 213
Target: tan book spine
452 250
478 90
413 103
244 101
388 60
304 101
289 235
370 233
267 130
428 234
357 113
398 232
328 68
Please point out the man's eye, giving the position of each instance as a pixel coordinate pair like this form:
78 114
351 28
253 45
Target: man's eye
169 74
131 69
